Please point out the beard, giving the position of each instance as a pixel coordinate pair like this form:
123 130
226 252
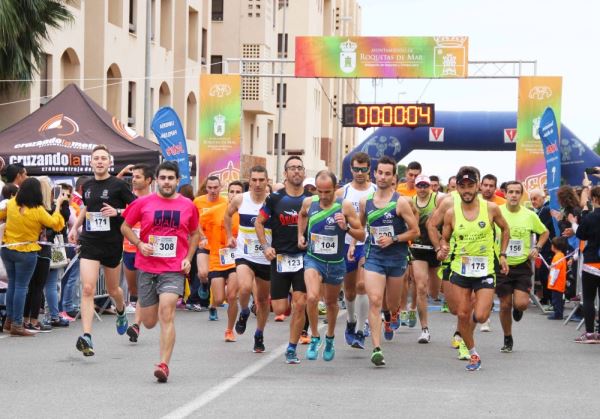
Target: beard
167 193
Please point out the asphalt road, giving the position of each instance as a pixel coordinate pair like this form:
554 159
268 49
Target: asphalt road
546 376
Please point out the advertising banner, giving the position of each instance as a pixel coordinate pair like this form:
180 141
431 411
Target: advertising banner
220 126
382 57
551 144
171 138
535 95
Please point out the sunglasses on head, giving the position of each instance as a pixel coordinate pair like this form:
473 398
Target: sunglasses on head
360 169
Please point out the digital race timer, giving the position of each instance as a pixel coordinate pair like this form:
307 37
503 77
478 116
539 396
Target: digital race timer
410 115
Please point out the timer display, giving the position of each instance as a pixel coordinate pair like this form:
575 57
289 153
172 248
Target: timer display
411 115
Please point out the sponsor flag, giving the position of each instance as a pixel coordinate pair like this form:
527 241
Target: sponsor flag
171 138
549 134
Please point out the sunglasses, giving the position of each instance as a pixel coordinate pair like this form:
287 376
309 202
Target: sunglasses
422 186
360 169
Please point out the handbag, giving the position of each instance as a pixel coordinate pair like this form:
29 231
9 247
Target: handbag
58 254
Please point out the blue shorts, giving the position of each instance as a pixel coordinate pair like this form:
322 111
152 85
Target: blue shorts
129 260
331 272
386 268
359 252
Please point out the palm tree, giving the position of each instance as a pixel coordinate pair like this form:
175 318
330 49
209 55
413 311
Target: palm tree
24 26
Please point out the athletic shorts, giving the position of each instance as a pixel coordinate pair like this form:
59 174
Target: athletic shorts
108 255
428 256
150 286
203 251
281 282
359 252
260 271
129 260
221 274
518 278
444 271
332 273
395 270
476 284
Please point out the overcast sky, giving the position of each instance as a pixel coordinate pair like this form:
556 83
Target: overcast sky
564 38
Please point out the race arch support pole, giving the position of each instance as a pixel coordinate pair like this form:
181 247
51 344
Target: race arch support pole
280 111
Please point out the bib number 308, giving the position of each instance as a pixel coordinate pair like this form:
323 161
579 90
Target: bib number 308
164 246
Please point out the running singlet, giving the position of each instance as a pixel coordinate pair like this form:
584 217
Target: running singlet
354 196
281 211
221 256
112 191
203 204
248 246
385 221
324 234
166 224
424 214
473 243
522 223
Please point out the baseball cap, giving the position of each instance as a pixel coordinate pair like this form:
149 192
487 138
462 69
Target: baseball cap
470 176
422 179
310 181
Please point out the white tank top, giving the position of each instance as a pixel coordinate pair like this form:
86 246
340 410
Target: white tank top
248 246
355 196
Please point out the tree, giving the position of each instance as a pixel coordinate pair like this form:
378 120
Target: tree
401 171
597 147
24 27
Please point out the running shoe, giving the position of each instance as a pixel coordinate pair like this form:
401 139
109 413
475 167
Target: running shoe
377 357
587 338
161 372
359 340
508 345
329 351
404 318
229 336
485 327
240 325
463 352
195 307
122 323
444 308
367 329
322 308
38 327
304 338
280 318
517 314
66 316
84 345
212 314
203 291
412 318
455 341
133 332
291 357
59 322
313 349
130 308
388 332
395 321
350 332
425 336
259 346
474 363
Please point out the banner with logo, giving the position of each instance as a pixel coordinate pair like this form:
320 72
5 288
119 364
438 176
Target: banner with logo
535 95
220 126
549 133
382 57
171 138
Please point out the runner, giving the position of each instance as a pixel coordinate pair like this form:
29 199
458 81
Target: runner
451 184
391 223
357 302
407 188
251 265
514 289
470 222
328 219
435 183
168 238
105 198
280 211
424 261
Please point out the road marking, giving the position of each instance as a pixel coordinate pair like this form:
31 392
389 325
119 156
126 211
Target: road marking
209 395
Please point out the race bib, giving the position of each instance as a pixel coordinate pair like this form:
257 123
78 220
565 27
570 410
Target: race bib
164 246
515 248
252 248
289 263
227 256
475 266
95 221
377 232
324 245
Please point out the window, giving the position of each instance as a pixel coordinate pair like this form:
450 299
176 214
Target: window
282 101
45 79
115 12
251 139
276 145
166 24
204 45
217 10
131 105
193 34
216 64
282 45
152 19
282 2
132 16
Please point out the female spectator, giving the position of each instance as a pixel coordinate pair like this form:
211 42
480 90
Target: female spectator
569 204
25 217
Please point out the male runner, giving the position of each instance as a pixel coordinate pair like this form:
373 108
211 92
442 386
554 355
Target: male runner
105 198
251 265
470 222
435 183
328 219
391 223
357 302
514 289
280 211
424 261
451 184
168 239
407 188
141 179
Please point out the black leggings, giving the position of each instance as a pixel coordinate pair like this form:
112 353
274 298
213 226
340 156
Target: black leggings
590 285
35 293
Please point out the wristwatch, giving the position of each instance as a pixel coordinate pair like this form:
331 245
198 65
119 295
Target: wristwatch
395 239
119 211
347 228
503 254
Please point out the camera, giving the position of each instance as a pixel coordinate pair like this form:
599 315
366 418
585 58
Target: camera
592 171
